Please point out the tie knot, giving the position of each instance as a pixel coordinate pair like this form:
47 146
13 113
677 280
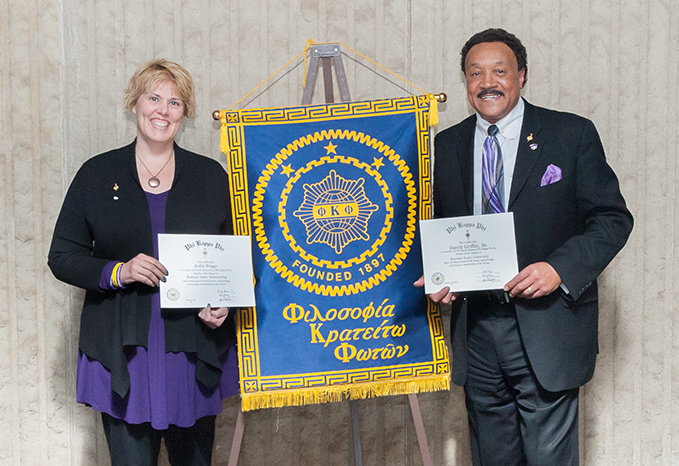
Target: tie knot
493 130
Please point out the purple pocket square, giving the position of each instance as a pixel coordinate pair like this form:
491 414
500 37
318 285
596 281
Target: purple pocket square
552 175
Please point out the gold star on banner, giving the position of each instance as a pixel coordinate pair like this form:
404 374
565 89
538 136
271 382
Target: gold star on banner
378 162
287 170
330 148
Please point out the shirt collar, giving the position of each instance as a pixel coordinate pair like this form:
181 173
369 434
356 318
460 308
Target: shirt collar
509 126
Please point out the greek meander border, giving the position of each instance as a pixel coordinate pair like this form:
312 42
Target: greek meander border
287 115
438 343
238 180
246 319
270 255
352 376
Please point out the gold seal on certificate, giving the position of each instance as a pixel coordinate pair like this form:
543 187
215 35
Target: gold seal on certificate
468 253
206 269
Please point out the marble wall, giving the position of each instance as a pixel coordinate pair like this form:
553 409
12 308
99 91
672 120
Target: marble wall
63 67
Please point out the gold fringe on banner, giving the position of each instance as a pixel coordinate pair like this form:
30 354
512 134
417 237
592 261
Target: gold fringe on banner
305 396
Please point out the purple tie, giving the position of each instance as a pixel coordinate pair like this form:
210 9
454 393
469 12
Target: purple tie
493 174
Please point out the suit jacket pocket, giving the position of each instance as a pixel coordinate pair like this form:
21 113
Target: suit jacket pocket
555 188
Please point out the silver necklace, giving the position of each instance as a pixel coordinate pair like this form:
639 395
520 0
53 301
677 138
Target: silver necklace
154 182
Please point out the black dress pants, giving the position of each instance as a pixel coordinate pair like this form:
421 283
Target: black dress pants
139 444
512 419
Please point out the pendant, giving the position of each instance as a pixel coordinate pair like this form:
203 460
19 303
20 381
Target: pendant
154 182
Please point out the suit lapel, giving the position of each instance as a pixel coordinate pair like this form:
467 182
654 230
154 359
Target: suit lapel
530 146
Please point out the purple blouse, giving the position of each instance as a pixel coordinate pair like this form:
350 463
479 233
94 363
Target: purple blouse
163 387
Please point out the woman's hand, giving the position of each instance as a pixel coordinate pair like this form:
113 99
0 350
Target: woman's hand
144 269
213 316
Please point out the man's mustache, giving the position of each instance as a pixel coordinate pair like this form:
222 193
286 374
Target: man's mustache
490 92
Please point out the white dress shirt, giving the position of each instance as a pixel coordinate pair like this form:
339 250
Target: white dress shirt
508 137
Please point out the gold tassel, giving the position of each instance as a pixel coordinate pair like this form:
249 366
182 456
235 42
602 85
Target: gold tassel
309 43
224 134
433 110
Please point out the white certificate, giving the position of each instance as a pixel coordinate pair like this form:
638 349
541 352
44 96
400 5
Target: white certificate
206 269
468 253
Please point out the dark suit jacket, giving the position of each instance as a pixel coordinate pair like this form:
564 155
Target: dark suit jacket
577 225
105 217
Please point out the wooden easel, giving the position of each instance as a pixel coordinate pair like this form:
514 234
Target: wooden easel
330 54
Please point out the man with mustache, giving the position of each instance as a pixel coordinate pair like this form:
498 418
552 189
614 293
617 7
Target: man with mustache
523 352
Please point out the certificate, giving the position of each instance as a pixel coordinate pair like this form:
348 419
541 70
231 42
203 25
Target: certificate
468 253
206 269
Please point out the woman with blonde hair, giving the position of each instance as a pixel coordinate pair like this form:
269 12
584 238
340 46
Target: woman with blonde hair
152 373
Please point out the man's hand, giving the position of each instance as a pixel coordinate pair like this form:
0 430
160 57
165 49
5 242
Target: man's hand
536 280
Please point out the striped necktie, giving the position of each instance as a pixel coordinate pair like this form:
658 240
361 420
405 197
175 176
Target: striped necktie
493 174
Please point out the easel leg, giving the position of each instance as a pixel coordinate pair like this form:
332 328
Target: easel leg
237 438
419 428
327 80
356 431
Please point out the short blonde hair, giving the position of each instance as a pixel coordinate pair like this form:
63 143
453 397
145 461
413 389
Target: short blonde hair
151 74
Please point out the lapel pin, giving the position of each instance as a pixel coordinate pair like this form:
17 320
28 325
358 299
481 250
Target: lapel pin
533 146
115 186
529 138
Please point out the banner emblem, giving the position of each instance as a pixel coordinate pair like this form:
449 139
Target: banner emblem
335 211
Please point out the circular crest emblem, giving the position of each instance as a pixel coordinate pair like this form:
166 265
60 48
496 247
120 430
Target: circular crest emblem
325 215
437 278
173 294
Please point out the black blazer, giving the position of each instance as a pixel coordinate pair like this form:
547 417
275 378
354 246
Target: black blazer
105 217
577 225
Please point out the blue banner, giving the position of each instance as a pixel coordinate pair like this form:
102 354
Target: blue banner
331 196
